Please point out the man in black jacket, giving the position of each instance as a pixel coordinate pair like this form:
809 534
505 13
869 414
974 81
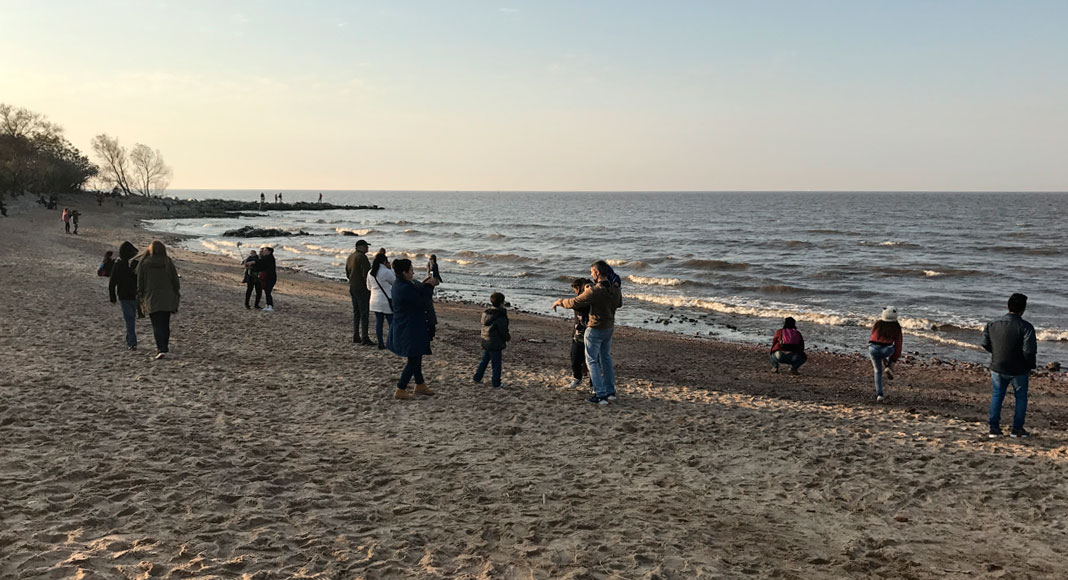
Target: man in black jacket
1010 340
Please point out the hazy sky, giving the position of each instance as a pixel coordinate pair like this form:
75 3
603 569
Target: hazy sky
558 95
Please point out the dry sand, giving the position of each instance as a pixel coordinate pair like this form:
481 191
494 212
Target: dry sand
269 447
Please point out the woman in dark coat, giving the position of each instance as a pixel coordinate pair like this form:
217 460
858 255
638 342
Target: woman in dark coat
158 289
122 288
265 268
410 332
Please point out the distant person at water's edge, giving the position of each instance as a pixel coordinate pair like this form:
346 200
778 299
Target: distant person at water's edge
788 347
884 347
410 331
268 274
356 269
603 299
380 283
159 290
122 288
1010 340
252 279
581 318
495 337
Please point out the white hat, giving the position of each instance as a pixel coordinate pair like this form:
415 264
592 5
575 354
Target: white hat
889 314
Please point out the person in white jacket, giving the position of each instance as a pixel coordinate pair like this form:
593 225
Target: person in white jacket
380 283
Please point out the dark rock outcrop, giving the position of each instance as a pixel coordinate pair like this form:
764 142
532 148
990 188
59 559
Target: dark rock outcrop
254 232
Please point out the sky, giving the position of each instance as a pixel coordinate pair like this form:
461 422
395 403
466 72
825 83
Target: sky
565 95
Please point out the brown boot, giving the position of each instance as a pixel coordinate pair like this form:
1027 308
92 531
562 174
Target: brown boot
403 394
422 389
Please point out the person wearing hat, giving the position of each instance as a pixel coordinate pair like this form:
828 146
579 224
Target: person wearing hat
1010 340
356 269
884 346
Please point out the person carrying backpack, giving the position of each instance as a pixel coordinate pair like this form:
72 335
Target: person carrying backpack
788 347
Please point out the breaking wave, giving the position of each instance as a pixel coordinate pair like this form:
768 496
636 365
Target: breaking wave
648 281
699 264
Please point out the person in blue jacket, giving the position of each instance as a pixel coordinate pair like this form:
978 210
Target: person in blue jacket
410 333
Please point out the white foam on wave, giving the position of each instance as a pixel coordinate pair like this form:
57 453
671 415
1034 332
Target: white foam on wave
1052 335
824 318
932 273
651 281
944 339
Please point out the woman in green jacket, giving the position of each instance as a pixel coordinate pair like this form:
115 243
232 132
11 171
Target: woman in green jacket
158 290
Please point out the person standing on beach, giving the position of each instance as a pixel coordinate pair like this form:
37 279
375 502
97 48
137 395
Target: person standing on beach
495 337
74 215
122 288
432 268
356 269
66 219
380 283
788 346
604 297
884 347
1010 340
578 332
159 291
268 275
252 279
410 332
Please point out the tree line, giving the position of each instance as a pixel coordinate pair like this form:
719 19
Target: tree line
36 158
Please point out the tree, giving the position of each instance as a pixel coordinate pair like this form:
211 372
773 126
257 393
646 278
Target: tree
35 157
151 174
114 163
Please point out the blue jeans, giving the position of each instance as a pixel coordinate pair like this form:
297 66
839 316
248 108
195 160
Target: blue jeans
489 356
129 315
880 357
1001 386
379 317
599 360
794 359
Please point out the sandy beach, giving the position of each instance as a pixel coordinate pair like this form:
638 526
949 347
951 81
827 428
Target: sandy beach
269 446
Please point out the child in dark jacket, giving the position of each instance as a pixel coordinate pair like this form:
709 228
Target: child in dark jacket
494 336
578 332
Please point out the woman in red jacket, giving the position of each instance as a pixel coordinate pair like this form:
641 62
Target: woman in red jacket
788 347
884 346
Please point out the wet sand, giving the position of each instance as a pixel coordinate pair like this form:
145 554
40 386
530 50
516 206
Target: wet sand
268 446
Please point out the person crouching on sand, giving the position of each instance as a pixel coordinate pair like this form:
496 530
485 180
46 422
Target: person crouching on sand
788 347
494 338
884 346
159 290
122 288
410 332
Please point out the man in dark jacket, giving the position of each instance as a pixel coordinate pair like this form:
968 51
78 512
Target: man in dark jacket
603 299
1010 340
356 269
122 288
494 338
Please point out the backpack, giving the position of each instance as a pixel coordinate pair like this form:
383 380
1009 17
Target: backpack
101 271
790 337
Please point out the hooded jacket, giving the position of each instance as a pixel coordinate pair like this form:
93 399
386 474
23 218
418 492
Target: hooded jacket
495 328
409 334
158 286
122 285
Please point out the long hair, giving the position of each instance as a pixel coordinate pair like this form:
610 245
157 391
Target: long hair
380 258
156 248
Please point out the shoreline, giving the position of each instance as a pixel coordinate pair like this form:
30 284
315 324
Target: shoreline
269 446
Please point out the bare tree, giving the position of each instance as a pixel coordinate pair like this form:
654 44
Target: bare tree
151 174
114 162
22 123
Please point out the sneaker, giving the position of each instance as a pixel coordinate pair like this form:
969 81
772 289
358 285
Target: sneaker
1020 434
247 307
794 372
597 400
269 309
611 397
476 380
775 370
994 433
879 399
134 347
889 374
367 342
575 383
160 355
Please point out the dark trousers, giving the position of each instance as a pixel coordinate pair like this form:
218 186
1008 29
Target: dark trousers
361 313
268 285
379 317
414 368
578 359
161 329
66 226
249 287
488 357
